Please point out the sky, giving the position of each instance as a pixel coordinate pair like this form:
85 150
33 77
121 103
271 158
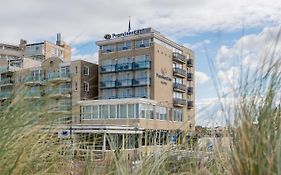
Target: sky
224 34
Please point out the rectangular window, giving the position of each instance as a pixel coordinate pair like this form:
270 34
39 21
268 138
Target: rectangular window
86 70
131 111
124 46
95 112
143 43
76 70
87 111
76 86
112 111
86 87
104 111
123 111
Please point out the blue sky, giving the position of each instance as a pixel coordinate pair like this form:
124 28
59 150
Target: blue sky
223 33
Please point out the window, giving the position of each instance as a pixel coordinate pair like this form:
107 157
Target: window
108 49
86 70
76 86
142 43
178 115
124 46
178 95
86 87
76 70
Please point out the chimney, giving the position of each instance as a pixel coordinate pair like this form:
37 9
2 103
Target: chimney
59 41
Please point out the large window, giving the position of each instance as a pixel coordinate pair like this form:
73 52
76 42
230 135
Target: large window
124 46
142 43
104 111
178 115
108 48
142 58
178 95
161 113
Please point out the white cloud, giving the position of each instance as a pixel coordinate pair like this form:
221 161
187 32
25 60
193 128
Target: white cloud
197 45
84 20
201 77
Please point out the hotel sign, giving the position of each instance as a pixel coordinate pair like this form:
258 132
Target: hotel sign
135 32
163 76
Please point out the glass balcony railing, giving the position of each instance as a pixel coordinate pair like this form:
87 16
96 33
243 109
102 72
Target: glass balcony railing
189 63
34 94
179 102
108 68
124 67
189 76
123 83
107 84
34 79
179 87
6 81
6 68
179 72
190 104
141 81
141 65
189 90
60 91
5 95
59 76
179 57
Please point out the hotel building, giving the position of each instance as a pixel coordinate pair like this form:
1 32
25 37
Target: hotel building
146 93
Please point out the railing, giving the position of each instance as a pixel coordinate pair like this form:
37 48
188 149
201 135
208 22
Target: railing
34 94
107 84
123 83
60 91
58 75
189 76
189 62
34 79
190 104
179 72
123 67
179 57
179 87
7 68
179 102
108 68
141 65
6 81
190 90
141 81
5 95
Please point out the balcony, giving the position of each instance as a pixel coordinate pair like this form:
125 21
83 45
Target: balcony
178 102
142 65
189 62
123 83
34 94
5 95
34 80
59 77
108 68
8 69
60 93
107 84
189 90
189 76
123 67
141 81
6 82
190 105
179 72
179 87
177 57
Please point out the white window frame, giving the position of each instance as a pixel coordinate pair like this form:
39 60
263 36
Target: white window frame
87 72
87 87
